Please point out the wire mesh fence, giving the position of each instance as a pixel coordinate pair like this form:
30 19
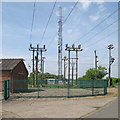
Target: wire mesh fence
53 88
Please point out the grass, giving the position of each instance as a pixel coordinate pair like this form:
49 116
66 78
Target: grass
97 108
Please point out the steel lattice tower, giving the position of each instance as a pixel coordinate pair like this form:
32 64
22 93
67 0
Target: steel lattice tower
60 44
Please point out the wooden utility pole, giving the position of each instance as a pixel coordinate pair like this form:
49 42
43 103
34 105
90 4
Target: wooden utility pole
77 49
43 64
37 65
111 60
69 65
72 70
95 64
65 59
41 51
73 49
33 69
76 65
36 58
41 68
33 72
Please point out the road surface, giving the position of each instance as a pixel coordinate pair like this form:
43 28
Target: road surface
108 111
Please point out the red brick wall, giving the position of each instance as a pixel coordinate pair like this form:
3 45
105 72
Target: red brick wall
19 75
3 76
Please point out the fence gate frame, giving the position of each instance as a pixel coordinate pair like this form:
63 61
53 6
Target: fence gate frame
6 89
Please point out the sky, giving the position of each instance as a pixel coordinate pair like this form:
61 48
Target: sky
16 26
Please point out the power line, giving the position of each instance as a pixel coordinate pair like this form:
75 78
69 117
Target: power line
97 25
48 20
70 12
102 57
103 38
101 31
52 40
32 20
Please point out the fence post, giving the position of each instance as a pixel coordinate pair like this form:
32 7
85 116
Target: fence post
4 90
105 87
38 87
68 89
92 87
79 83
7 88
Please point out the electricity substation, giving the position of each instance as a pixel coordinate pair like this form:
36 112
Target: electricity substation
67 82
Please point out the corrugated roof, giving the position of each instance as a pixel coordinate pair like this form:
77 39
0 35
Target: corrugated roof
9 64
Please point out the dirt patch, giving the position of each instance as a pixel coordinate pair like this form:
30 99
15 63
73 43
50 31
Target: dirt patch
112 92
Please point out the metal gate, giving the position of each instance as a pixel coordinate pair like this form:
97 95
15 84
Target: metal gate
6 89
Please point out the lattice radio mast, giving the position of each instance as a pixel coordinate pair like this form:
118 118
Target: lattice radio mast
60 45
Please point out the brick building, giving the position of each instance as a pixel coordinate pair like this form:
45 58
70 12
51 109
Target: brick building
16 72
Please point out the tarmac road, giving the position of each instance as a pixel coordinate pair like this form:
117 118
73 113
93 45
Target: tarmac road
69 108
108 111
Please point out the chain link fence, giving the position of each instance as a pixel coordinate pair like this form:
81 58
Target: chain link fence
54 88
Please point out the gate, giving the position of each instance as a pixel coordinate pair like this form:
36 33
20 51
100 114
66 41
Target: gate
6 89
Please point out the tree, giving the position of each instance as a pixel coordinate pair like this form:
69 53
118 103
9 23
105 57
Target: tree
101 72
45 76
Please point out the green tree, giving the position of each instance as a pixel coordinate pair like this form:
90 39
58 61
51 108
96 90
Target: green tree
101 72
45 76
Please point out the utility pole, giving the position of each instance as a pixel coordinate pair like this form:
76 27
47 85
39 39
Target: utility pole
36 58
33 69
72 64
60 45
43 60
65 59
95 64
69 65
41 51
33 74
77 49
37 66
68 49
73 49
76 66
41 68
111 60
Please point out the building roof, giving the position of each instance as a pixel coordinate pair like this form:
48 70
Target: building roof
9 64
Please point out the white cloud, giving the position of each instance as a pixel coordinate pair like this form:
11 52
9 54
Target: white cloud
57 13
28 31
69 31
101 9
71 6
100 2
85 5
94 18
64 9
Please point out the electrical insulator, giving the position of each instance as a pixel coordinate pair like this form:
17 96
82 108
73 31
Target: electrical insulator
112 60
66 45
30 45
43 46
79 46
73 46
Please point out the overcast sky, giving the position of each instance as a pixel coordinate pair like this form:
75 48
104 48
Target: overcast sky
16 25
